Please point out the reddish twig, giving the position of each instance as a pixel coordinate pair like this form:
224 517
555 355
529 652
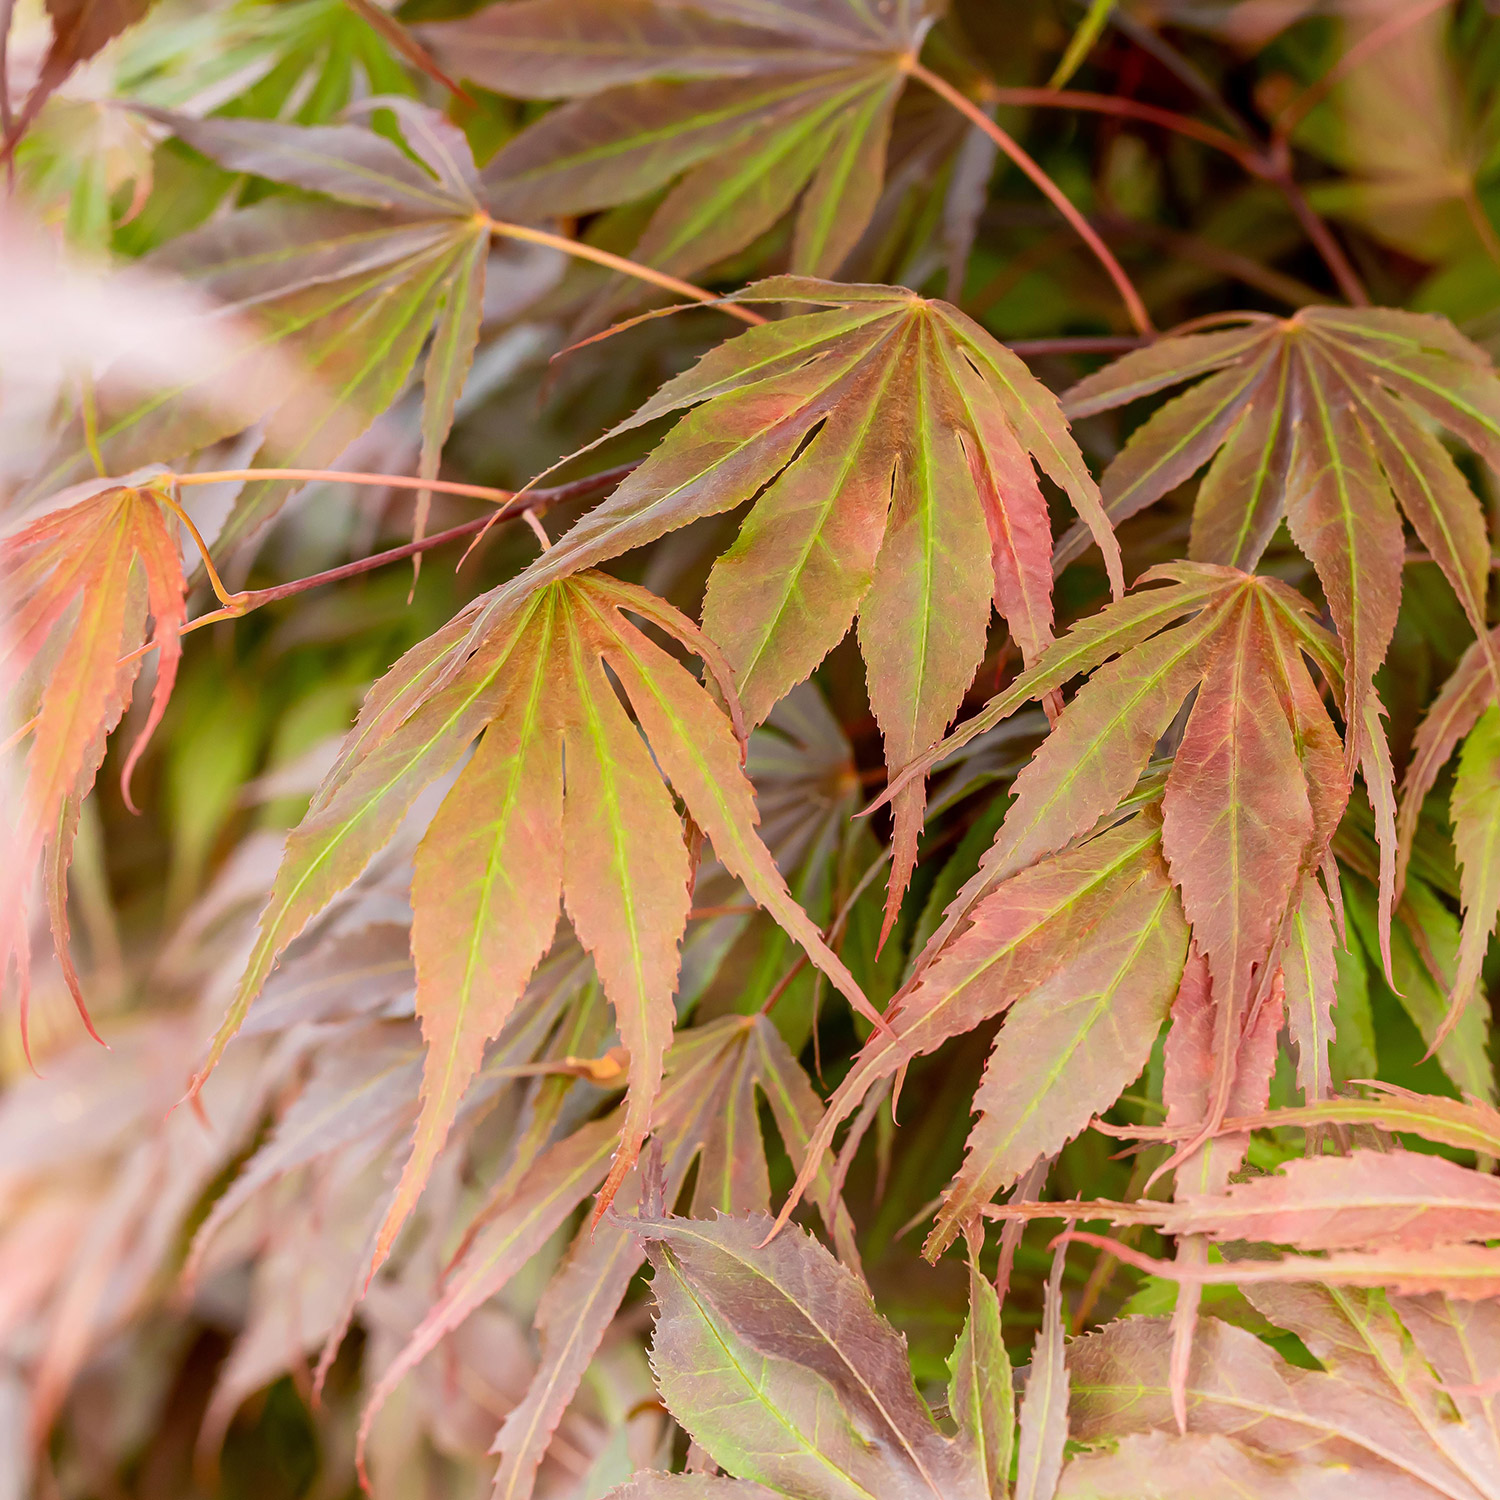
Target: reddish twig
960 101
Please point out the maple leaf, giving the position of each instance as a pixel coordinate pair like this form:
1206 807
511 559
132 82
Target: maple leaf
888 442
1380 1412
749 107
515 835
350 291
1082 952
777 1363
76 587
1248 806
1321 418
706 1115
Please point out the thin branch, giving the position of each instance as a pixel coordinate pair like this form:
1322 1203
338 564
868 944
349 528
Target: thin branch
1129 109
633 268
1084 344
1352 288
519 504
1064 205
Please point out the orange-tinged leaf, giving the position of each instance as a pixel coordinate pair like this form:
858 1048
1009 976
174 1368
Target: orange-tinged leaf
562 796
78 583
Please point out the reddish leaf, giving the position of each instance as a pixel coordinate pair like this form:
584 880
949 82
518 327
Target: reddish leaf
77 584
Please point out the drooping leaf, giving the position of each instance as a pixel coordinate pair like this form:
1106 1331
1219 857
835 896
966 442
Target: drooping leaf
774 1358
749 107
76 587
716 1126
890 440
538 683
345 294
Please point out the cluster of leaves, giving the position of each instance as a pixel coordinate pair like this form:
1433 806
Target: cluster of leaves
1140 706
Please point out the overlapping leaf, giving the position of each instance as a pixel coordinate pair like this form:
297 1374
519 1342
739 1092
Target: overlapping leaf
888 442
748 107
1391 1411
1323 419
76 588
517 834
349 292
706 1116
1091 942
774 1358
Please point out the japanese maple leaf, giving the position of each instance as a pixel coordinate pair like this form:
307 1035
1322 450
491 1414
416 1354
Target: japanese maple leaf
1323 419
77 586
349 291
1403 1404
748 108
561 803
706 1127
888 442
1081 939
773 1357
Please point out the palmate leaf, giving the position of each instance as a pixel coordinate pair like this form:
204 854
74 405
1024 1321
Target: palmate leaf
706 1116
775 1360
346 294
562 801
890 441
1380 1414
1320 418
748 106
76 588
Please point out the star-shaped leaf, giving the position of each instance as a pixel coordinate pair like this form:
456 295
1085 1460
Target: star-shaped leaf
1322 419
888 442
562 802
748 107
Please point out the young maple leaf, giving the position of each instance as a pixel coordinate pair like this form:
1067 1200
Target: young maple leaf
561 803
350 291
888 442
1323 419
76 588
752 107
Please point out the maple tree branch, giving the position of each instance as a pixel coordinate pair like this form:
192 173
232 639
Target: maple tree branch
1130 109
581 251
960 101
341 476
1349 283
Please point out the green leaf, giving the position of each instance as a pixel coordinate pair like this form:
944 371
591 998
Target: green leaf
774 1358
980 1394
757 105
1476 840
